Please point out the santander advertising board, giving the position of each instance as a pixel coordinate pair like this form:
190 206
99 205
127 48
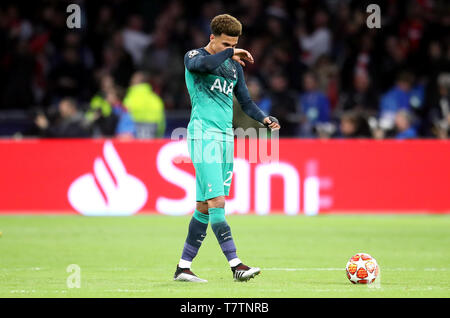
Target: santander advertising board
115 177
110 190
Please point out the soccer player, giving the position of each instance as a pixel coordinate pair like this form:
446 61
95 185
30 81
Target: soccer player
213 73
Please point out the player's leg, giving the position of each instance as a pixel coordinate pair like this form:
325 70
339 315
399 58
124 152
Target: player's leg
196 231
219 181
219 224
196 234
222 231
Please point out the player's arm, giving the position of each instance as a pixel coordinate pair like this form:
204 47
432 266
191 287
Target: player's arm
195 62
248 106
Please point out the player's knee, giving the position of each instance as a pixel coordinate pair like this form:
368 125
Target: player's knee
217 202
202 207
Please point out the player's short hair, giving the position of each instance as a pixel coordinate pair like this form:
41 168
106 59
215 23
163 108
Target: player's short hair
226 24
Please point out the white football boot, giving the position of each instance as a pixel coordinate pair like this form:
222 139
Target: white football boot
243 273
186 275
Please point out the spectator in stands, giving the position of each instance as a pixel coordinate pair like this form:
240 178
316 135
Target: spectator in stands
283 105
98 105
17 78
73 40
105 25
354 125
396 99
169 80
107 115
125 127
394 61
318 42
403 125
359 60
327 79
117 61
69 124
145 107
361 98
314 106
135 40
258 95
69 77
42 61
440 107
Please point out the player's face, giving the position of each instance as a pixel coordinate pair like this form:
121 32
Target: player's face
223 42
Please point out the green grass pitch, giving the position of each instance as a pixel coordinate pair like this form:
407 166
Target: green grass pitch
299 256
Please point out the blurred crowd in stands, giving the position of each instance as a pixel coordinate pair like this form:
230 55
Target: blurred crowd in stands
318 67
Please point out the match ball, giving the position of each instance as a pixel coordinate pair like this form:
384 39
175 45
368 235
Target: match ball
362 269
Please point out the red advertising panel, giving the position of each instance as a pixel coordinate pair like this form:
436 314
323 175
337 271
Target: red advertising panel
114 177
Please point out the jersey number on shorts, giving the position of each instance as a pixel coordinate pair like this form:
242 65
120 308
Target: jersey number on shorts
227 181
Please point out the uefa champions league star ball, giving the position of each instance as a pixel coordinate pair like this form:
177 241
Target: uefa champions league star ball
362 269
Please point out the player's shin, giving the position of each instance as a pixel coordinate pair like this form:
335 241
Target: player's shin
222 231
195 237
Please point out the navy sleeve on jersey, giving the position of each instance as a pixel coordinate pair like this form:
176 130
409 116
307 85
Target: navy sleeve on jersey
195 61
248 106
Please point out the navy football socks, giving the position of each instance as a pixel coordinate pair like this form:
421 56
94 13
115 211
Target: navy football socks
195 237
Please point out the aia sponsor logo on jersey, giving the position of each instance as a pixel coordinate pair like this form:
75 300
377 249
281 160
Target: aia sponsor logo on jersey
223 87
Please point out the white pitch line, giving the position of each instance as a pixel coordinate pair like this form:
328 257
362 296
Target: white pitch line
301 269
130 290
343 268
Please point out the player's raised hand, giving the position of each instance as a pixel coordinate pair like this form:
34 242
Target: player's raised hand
241 55
272 123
